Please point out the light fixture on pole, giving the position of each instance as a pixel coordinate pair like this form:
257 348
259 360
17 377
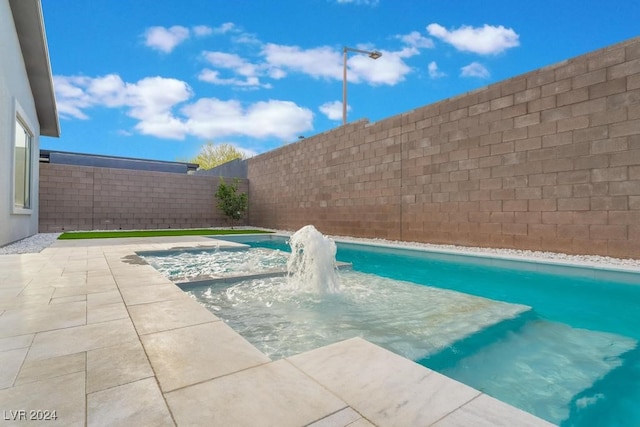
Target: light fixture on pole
372 54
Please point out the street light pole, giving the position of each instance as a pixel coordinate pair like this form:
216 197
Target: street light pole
372 54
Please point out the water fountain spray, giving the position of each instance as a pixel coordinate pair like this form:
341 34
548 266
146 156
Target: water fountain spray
312 264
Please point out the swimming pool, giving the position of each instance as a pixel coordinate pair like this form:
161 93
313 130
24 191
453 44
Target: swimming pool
572 358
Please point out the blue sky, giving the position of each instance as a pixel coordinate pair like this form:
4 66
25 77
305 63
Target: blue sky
157 79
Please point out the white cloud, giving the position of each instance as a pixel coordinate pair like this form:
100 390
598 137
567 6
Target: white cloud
249 72
211 118
483 40
325 62
165 39
224 28
231 61
154 102
277 73
389 69
434 71
475 69
247 39
320 62
164 126
415 39
110 90
236 34
213 77
71 98
151 101
202 30
333 110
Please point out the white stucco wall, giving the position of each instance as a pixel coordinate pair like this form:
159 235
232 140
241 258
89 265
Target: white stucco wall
15 97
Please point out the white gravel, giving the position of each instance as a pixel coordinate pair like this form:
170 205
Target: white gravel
33 244
586 260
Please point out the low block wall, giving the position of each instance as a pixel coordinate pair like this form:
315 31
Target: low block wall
549 160
93 198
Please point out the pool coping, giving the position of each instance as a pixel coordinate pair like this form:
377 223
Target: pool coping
103 340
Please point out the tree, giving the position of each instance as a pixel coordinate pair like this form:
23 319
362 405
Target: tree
230 202
212 155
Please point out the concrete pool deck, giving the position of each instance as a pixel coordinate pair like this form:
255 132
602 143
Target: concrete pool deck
88 332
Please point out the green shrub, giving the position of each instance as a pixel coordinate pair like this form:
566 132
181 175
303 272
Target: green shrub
232 203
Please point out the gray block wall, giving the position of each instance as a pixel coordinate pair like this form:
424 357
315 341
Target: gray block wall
549 160
95 198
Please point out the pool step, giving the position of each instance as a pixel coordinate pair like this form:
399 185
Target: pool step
594 403
452 355
552 360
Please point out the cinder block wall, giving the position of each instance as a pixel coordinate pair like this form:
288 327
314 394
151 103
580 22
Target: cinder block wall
92 198
549 160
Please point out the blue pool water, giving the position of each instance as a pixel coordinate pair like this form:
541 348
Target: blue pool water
573 359
557 341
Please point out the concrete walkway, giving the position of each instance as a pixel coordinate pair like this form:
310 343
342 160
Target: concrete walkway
88 336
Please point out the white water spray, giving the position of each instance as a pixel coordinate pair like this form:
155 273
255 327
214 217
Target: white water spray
312 264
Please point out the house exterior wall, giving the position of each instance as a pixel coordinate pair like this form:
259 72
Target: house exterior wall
15 98
94 198
549 160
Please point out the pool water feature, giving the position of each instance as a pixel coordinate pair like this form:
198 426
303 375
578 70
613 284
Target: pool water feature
312 265
560 344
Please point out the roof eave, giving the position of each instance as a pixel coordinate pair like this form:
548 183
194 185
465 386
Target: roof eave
29 22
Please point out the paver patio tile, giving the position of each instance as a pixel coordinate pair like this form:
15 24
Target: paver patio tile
186 356
72 298
46 395
106 312
485 411
103 273
40 290
367 387
42 318
101 298
24 301
116 365
11 360
67 291
38 370
81 338
361 422
151 278
139 403
69 280
12 343
155 293
97 288
275 394
10 291
165 315
344 417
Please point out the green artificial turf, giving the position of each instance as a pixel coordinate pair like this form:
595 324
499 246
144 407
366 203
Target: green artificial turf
152 233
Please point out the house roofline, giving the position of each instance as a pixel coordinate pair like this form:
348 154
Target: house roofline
29 23
102 160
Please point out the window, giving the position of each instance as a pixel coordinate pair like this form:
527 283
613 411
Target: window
22 167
